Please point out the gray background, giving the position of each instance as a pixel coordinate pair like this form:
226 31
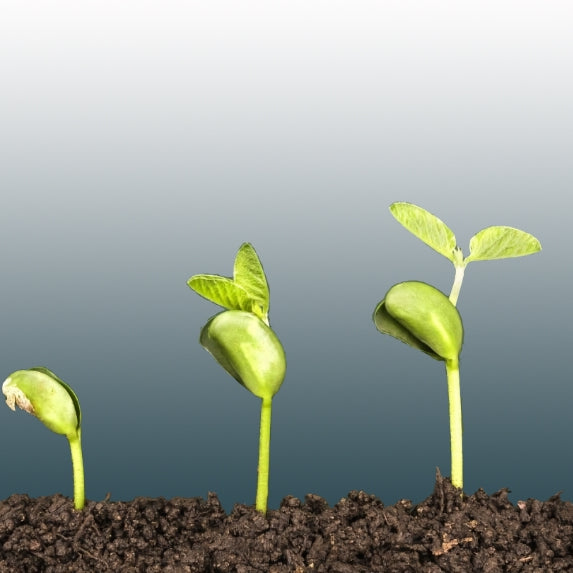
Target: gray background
143 142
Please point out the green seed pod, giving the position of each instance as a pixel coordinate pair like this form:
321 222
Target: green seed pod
41 393
247 349
427 314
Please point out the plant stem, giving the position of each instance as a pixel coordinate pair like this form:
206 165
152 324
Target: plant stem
78 469
458 279
264 455
456 428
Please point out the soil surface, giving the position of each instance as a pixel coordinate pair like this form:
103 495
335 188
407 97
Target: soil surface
446 532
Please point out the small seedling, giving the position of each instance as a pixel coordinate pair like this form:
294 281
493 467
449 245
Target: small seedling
41 393
242 342
424 318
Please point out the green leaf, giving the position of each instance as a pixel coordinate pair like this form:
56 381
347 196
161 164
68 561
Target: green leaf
247 290
248 273
501 243
388 325
222 291
427 227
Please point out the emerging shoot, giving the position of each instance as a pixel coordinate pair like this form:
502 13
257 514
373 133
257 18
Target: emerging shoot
242 342
41 393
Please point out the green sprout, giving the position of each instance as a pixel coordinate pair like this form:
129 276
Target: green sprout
424 318
41 393
242 342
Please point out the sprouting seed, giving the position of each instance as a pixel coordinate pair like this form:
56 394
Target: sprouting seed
41 393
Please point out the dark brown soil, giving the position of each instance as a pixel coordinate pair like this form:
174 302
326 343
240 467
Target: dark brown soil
359 534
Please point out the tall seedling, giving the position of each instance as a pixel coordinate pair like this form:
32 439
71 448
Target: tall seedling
424 318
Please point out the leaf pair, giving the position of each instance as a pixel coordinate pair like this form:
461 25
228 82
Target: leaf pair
498 242
423 317
247 290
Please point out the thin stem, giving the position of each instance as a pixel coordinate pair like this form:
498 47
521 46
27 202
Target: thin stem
264 455
458 279
456 429
78 469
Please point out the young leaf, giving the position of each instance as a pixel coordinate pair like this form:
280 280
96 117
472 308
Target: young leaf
222 291
427 227
501 243
247 290
249 274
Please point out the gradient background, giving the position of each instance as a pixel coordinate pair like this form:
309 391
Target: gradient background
143 142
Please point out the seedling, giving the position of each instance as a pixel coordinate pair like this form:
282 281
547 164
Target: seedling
242 342
41 393
424 318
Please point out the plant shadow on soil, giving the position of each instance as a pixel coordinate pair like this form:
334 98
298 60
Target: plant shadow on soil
446 532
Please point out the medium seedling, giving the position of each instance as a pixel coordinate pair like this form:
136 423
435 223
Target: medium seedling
242 342
41 393
424 318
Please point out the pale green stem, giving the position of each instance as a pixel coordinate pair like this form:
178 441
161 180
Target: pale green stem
78 469
264 455
458 279
456 429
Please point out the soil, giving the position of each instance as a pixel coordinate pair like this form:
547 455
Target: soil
446 532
